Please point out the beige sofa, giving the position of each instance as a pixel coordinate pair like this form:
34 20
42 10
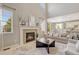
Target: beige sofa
60 39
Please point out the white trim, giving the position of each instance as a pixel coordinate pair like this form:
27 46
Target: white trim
12 47
21 33
12 17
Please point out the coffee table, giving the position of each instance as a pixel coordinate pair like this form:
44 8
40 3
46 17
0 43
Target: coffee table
47 45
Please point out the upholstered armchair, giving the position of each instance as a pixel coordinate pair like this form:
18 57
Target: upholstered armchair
72 47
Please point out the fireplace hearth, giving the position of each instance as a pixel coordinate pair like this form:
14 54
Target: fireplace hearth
30 36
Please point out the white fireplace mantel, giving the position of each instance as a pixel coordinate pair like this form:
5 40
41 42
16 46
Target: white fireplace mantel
25 28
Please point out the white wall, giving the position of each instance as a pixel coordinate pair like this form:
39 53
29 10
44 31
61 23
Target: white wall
26 10
43 26
69 17
23 10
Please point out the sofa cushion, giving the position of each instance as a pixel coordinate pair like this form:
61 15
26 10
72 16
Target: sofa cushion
73 41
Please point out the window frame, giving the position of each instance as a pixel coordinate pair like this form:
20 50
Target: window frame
59 24
12 17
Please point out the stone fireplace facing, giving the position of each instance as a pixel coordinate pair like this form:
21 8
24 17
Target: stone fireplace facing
27 34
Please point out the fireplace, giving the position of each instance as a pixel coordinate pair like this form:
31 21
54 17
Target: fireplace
30 36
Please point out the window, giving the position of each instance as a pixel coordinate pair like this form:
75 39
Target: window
59 26
49 27
6 20
0 18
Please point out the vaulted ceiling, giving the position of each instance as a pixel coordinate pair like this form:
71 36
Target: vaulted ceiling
54 9
59 9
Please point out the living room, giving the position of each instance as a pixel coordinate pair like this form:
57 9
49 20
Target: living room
39 29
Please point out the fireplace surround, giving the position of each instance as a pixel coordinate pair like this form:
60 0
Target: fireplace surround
28 34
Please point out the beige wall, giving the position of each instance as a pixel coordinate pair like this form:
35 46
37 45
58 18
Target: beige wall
23 10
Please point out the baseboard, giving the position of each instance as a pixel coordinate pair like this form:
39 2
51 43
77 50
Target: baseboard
12 47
